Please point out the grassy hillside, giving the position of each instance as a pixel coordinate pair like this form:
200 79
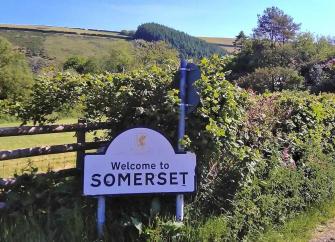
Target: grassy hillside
64 30
53 47
46 45
225 43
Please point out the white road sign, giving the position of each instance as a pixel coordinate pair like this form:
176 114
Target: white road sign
139 161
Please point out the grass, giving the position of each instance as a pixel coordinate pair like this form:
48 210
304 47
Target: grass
225 43
62 47
57 47
32 41
62 29
301 227
44 163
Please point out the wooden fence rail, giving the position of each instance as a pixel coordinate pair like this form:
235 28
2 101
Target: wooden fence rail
80 128
49 129
48 150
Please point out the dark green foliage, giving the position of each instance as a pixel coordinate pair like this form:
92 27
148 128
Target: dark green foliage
276 44
239 40
277 195
304 55
129 33
323 76
188 46
76 63
48 207
261 158
259 54
272 79
289 168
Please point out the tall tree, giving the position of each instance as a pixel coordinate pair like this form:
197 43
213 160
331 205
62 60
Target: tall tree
275 26
239 40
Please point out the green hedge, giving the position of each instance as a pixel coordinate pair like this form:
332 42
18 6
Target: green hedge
261 158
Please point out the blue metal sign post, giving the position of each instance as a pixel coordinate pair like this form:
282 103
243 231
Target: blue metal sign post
101 216
181 131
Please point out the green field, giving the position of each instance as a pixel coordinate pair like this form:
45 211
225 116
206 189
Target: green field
57 47
45 162
61 47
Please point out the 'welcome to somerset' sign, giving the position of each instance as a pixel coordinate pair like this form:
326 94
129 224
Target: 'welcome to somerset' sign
139 161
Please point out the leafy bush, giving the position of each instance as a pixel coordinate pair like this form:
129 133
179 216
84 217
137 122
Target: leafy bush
15 75
302 55
126 56
6 111
272 79
50 95
274 197
129 33
76 63
323 76
261 158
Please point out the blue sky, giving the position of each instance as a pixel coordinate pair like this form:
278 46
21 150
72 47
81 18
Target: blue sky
220 18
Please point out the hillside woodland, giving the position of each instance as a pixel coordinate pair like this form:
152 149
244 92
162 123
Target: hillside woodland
187 46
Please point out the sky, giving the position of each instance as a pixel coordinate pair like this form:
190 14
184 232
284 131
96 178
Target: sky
215 18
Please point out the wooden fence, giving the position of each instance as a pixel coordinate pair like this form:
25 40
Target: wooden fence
80 128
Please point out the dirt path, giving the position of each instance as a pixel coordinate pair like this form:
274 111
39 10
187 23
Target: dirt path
324 232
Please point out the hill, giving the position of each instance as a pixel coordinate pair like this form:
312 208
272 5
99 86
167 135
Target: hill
187 45
64 30
47 45
225 43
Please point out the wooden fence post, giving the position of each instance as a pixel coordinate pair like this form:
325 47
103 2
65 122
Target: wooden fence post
81 142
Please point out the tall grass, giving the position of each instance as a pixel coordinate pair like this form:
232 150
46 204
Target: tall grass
301 227
67 225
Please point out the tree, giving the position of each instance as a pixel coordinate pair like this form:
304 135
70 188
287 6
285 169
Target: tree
272 79
157 53
257 53
76 63
275 26
15 75
120 57
129 33
239 40
83 65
